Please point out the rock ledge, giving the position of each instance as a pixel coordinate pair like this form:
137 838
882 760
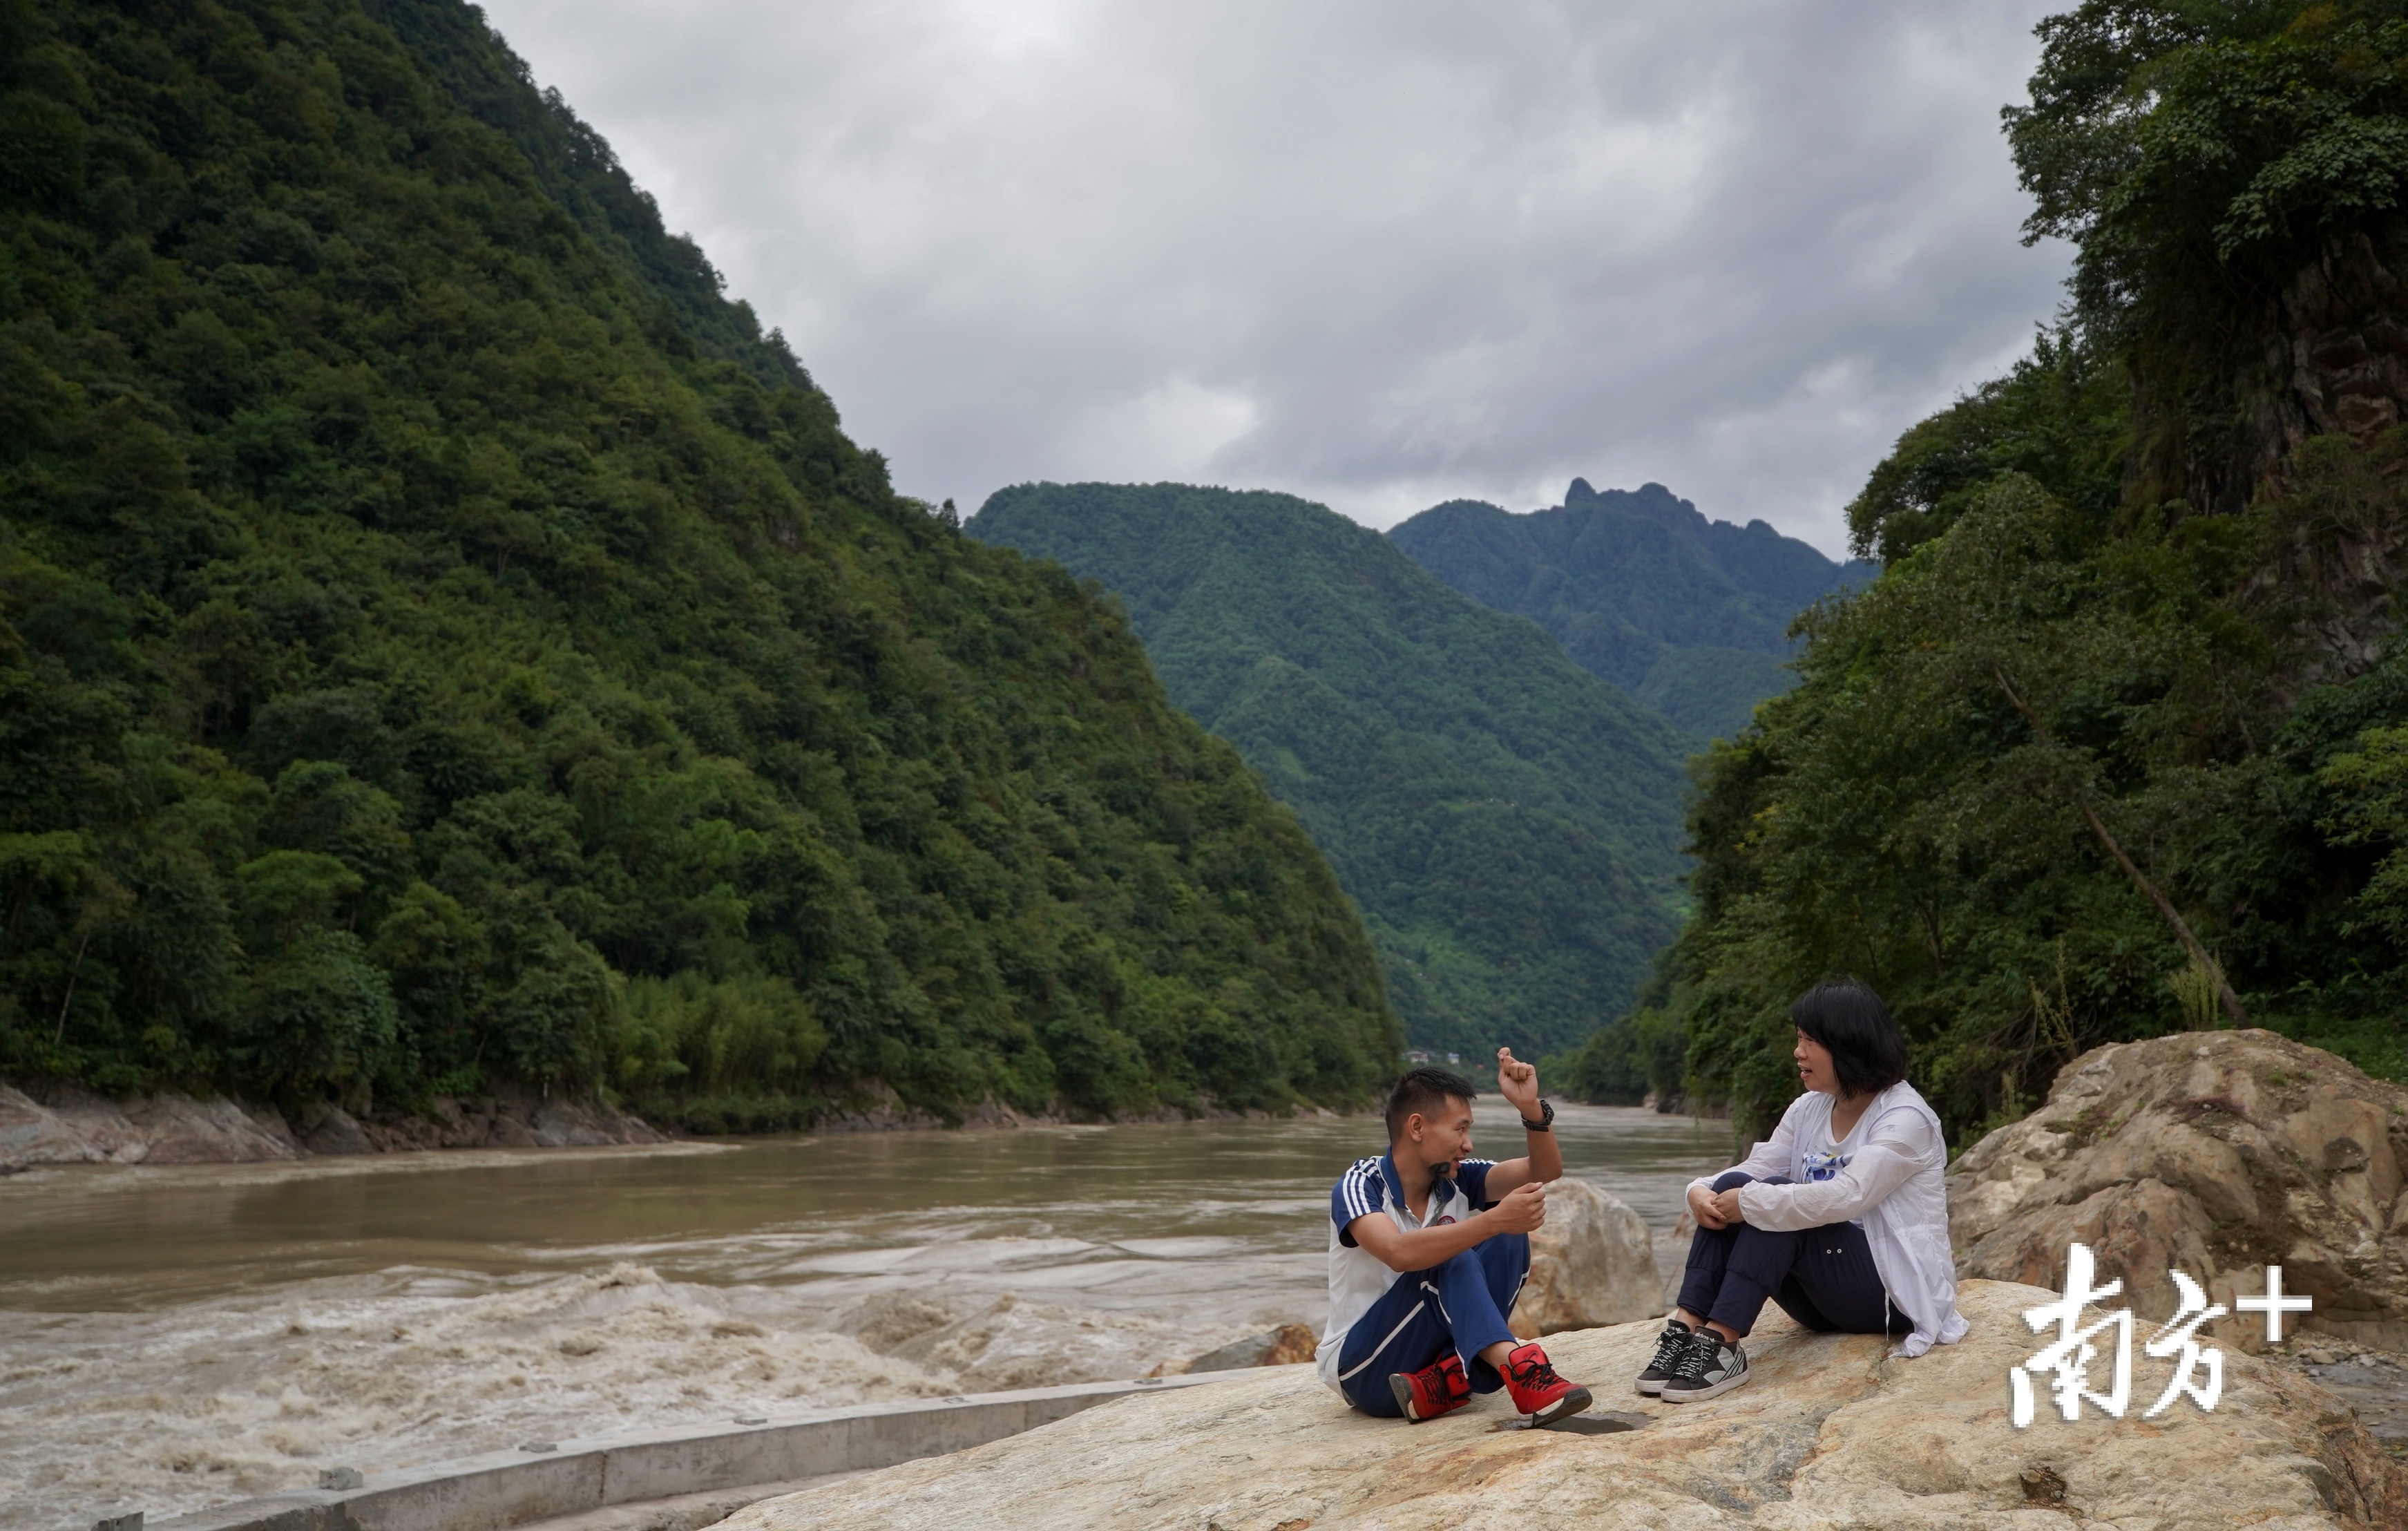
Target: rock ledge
2212 1152
1829 1434
76 1127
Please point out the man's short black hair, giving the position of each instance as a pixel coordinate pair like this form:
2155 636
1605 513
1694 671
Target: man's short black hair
1851 1021
1424 1090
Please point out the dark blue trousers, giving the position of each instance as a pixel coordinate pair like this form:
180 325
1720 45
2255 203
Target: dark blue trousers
1823 1278
1459 1306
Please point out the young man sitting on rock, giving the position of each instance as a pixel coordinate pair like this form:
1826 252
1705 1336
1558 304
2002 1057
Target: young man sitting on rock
1428 1248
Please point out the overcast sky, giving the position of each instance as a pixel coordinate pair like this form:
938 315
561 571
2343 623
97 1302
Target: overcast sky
1377 252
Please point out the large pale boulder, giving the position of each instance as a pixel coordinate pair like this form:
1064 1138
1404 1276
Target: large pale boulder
1828 1433
2215 1154
1592 1262
162 1129
178 1130
32 1133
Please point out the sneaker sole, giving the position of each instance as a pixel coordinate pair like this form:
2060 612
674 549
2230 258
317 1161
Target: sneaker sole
1564 1408
1402 1388
1646 1389
1711 1390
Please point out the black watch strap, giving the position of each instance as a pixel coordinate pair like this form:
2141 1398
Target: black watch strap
1546 1121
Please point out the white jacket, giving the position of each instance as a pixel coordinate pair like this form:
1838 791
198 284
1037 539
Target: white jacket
1894 1185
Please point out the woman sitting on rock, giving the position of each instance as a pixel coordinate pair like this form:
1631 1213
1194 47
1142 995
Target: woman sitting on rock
1841 1217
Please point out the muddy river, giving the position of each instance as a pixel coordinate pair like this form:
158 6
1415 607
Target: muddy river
175 1337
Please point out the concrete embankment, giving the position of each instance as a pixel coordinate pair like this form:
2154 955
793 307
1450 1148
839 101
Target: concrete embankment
544 1480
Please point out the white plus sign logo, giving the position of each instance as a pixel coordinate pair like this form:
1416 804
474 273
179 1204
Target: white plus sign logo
2273 1304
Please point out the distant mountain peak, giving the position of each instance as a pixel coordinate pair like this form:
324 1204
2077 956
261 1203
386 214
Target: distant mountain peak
1508 820
1655 503
1650 500
1689 614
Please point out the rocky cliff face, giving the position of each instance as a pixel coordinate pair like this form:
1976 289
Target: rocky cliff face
2216 1154
162 1129
1828 1434
2332 358
75 1127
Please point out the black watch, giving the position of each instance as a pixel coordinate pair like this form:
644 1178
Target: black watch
1546 1118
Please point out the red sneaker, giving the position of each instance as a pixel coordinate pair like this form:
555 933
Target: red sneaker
1542 1396
1438 1388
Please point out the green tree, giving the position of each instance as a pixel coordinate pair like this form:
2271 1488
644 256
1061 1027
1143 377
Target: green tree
431 613
2109 748
2231 175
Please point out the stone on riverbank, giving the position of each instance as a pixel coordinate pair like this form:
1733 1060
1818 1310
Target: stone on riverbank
1289 1345
510 1122
76 1127
162 1129
1828 1434
1592 1262
2216 1154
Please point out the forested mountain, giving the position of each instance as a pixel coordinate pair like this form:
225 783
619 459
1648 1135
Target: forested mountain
2118 742
1507 823
443 645
1688 615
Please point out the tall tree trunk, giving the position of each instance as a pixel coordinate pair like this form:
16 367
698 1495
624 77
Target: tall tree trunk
2183 933
60 1037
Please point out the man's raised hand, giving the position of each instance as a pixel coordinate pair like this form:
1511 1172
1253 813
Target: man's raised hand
1518 1082
1523 1209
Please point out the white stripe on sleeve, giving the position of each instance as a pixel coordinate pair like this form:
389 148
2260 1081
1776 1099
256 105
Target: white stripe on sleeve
1360 1201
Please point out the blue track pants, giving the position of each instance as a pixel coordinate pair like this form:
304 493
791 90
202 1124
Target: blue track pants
1459 1306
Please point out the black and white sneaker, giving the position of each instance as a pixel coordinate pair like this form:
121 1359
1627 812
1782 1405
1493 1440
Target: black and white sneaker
1673 1344
1711 1366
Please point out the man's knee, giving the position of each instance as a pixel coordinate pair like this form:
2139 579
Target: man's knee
1503 1249
1461 1260
1490 1253
1505 1263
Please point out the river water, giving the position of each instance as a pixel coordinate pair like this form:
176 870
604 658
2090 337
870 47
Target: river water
173 1338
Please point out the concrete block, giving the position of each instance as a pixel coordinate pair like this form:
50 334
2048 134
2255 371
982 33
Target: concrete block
543 1480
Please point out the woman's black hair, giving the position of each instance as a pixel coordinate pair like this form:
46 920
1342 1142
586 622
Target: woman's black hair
1852 1024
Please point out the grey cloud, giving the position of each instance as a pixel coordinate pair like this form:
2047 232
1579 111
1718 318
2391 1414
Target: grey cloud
1375 252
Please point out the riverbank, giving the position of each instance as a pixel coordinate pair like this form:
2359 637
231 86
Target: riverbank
73 1126
67 1125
